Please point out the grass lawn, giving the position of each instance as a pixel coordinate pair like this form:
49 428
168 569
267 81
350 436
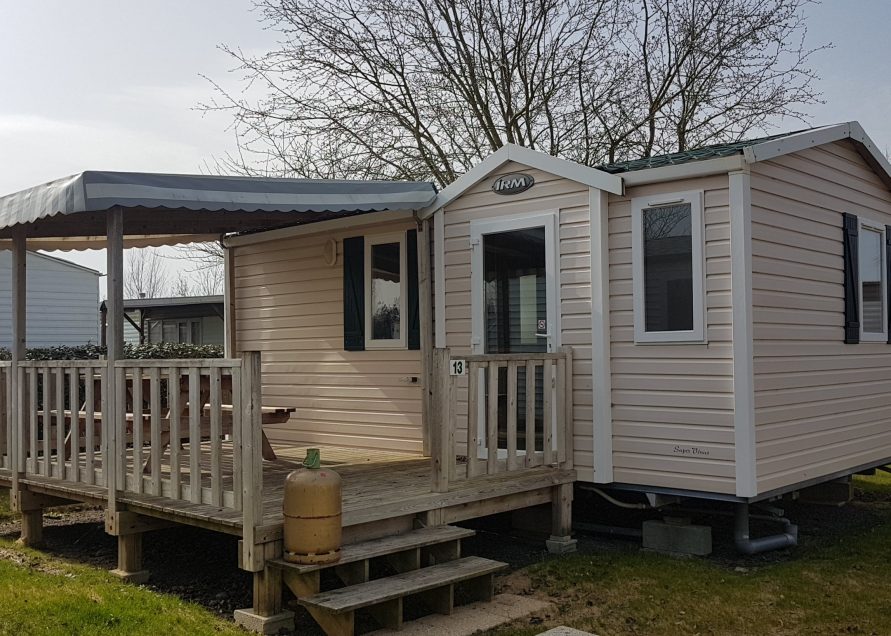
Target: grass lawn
45 595
832 584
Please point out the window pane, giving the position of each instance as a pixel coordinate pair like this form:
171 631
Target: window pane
385 291
871 280
668 268
516 297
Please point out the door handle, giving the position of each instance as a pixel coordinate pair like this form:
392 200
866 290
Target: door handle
543 335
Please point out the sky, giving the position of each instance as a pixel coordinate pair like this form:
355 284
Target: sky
113 84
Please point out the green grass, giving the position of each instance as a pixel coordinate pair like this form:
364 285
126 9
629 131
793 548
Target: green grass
44 595
5 513
835 585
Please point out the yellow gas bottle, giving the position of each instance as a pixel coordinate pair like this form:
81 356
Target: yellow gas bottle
312 507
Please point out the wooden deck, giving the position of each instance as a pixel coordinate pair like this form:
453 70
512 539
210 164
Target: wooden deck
377 487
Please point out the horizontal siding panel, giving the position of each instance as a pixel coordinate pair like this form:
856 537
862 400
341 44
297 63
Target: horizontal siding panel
289 307
820 406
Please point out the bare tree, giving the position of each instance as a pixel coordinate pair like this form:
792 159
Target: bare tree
423 89
145 274
208 281
207 275
181 287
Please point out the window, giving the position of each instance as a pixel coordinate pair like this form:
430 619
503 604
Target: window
872 268
385 291
176 331
667 268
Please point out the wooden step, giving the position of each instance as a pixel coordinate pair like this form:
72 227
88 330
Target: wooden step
335 611
417 539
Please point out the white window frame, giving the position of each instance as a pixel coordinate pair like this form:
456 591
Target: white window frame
873 336
370 242
638 205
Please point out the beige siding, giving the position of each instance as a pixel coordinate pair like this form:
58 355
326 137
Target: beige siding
821 406
673 403
550 193
288 305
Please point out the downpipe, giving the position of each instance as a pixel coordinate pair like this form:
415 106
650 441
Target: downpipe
747 545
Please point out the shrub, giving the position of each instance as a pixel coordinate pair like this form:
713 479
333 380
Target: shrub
163 351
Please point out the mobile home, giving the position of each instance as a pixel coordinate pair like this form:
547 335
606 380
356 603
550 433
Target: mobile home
711 324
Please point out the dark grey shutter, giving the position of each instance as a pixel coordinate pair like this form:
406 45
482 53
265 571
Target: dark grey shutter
888 278
852 278
354 294
414 313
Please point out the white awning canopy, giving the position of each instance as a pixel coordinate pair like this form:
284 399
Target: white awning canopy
163 209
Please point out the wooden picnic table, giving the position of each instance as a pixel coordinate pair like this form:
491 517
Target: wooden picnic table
269 415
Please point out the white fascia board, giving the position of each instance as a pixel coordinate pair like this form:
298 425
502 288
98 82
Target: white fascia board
356 220
820 136
690 170
794 143
591 177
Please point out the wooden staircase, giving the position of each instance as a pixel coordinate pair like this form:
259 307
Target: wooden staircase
425 564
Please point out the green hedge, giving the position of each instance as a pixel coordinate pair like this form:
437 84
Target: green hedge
164 351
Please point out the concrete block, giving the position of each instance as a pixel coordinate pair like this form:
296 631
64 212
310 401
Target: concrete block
139 577
677 536
830 493
565 631
561 545
265 624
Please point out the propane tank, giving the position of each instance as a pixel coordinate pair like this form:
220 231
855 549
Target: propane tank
312 511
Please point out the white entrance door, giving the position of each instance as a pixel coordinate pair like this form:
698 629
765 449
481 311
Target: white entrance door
514 296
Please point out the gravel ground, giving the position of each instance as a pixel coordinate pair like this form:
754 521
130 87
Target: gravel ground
200 566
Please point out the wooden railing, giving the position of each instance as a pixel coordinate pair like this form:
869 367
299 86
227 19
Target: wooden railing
518 410
180 429
185 430
60 416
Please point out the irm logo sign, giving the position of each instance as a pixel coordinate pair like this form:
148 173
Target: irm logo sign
513 183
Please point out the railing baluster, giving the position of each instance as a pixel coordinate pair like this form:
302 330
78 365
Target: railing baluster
173 393
216 434
156 448
473 420
60 422
33 419
568 414
89 426
548 410
74 422
512 415
47 376
237 439
492 419
530 413
194 436
138 442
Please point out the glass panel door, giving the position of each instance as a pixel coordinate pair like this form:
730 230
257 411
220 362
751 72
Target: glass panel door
515 313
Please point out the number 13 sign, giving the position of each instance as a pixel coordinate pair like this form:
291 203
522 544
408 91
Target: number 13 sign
457 367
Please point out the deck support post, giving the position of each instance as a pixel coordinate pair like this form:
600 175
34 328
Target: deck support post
266 616
130 559
17 440
561 541
253 556
425 311
442 420
115 351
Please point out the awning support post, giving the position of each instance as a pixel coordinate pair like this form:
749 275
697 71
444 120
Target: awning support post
115 351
